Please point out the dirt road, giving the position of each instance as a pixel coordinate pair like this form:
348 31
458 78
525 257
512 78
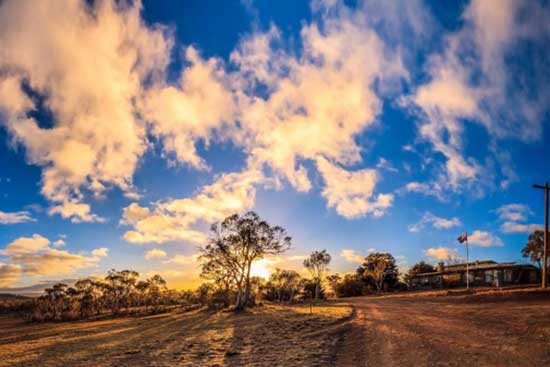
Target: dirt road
447 331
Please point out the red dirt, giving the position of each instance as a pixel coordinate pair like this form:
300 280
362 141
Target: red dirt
489 329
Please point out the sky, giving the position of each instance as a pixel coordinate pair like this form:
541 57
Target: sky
128 127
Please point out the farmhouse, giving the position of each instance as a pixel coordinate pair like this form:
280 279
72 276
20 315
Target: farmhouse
482 273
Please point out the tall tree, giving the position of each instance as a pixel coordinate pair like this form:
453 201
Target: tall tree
534 248
317 265
379 268
235 244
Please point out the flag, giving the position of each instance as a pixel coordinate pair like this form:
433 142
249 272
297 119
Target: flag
463 237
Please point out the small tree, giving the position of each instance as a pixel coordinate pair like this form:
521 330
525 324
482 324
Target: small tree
283 285
317 265
235 244
379 268
418 268
352 285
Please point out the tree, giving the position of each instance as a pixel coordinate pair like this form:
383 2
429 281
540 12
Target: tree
235 244
119 287
418 268
534 248
352 285
156 287
317 265
283 285
379 269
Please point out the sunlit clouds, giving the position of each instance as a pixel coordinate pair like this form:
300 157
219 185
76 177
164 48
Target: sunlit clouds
361 115
34 256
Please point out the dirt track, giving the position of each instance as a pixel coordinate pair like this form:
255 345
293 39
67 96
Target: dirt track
447 331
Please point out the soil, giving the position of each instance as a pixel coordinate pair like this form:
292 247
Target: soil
436 329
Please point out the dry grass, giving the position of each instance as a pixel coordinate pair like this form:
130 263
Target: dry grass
265 336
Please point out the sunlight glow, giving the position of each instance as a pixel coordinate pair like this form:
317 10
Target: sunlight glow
261 269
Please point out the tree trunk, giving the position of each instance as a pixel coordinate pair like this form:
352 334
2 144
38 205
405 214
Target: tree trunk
317 286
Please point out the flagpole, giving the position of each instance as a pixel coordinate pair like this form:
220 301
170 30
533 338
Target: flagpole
467 265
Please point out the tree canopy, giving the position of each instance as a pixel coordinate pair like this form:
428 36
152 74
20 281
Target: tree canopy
534 248
317 265
234 245
379 269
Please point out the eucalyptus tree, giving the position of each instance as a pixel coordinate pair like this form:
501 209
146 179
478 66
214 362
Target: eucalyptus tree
317 265
119 288
379 268
235 244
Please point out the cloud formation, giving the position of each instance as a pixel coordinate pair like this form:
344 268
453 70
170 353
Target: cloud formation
9 274
33 256
484 239
470 83
179 219
352 256
155 254
444 254
514 216
86 69
435 221
15 217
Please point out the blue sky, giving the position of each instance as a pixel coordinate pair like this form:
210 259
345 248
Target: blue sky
126 128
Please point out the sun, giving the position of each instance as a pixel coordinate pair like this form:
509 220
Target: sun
260 269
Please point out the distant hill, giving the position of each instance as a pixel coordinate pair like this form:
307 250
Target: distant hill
11 296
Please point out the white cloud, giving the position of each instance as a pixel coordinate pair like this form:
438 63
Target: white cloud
384 164
443 254
59 243
26 245
484 239
351 193
471 81
183 114
95 139
316 102
15 217
435 221
429 189
513 227
33 256
155 254
183 259
352 256
100 252
514 212
179 219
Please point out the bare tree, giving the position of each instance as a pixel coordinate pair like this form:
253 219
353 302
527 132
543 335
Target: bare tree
235 244
317 265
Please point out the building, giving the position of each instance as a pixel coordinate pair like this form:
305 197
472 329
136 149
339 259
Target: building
482 273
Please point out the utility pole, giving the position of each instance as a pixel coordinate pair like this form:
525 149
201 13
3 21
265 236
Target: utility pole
546 188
